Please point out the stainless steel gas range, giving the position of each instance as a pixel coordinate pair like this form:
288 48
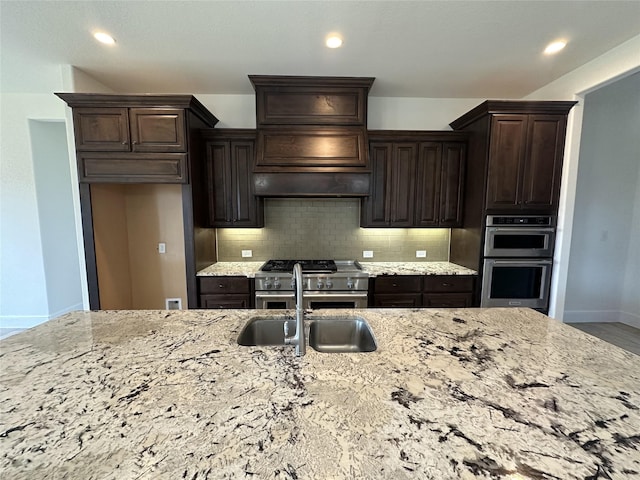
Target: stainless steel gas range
327 284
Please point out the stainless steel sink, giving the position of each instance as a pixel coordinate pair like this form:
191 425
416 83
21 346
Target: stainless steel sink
340 334
265 331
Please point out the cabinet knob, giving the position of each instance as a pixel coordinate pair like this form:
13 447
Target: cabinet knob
446 284
220 286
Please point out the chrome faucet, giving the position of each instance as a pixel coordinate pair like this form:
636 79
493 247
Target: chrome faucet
298 338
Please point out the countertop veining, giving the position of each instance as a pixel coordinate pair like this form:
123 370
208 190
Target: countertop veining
449 394
374 269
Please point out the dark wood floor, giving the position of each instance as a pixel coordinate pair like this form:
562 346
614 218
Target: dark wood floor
619 334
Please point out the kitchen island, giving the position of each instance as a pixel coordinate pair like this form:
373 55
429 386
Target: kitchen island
449 394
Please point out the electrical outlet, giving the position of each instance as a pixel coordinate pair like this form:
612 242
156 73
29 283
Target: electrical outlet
247 253
367 254
162 247
173 303
421 254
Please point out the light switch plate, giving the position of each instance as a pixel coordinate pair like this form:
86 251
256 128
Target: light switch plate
421 254
367 254
247 253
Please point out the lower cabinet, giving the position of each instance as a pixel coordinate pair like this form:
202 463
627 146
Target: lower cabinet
225 292
436 291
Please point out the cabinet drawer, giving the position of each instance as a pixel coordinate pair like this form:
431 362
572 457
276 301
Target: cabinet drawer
231 300
398 283
132 168
447 300
448 283
224 285
399 300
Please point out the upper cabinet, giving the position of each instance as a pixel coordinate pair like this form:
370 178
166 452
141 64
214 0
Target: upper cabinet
229 164
516 154
417 179
134 138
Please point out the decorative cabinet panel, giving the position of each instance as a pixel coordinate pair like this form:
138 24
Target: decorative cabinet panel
225 292
229 166
415 183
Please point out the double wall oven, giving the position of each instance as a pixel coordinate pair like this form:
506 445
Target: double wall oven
327 284
518 257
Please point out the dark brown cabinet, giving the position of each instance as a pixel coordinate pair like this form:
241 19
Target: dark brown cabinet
417 180
515 156
437 291
225 292
229 166
440 177
397 291
130 129
525 162
448 291
134 138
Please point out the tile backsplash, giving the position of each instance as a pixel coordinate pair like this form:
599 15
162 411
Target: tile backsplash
327 228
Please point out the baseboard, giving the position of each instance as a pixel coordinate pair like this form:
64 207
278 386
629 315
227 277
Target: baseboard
631 319
22 321
607 316
30 321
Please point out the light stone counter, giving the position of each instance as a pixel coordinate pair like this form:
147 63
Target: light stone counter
249 269
500 394
223 269
415 268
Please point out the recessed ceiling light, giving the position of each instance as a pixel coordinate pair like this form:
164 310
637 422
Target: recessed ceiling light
104 38
555 47
334 41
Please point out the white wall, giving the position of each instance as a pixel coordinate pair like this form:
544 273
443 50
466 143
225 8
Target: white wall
618 62
603 220
56 217
23 287
384 113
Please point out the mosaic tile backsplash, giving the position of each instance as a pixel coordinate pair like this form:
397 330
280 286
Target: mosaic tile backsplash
328 228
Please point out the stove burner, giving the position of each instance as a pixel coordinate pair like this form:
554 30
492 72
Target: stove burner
308 266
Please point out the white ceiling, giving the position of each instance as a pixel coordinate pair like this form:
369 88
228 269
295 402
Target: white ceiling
449 49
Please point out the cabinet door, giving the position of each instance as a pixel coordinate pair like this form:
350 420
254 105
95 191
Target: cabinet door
451 184
375 207
428 184
229 184
543 166
402 184
101 129
157 130
219 183
245 207
506 160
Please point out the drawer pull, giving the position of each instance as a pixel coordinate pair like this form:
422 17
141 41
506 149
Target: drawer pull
220 286
394 284
446 285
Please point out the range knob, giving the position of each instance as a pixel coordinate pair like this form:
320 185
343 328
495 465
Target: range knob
329 283
320 285
349 283
267 283
293 283
276 283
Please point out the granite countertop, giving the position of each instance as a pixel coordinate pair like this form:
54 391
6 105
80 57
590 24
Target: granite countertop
449 394
249 269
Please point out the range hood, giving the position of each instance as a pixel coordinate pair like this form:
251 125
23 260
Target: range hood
311 136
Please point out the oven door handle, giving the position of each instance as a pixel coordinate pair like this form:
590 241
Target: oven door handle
522 261
522 230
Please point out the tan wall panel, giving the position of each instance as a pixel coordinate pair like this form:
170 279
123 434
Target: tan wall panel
112 246
154 215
